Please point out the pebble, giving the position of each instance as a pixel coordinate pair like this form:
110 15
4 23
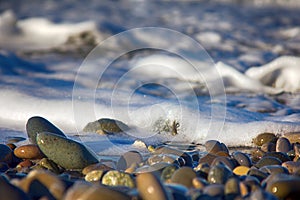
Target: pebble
28 151
129 158
168 150
241 170
150 187
225 160
268 160
184 176
94 175
285 189
106 126
37 125
242 158
55 186
219 174
291 166
214 190
97 166
6 154
84 191
263 138
65 152
14 139
283 145
117 178
11 192
232 187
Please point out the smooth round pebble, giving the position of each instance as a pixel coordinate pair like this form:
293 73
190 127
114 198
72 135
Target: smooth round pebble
291 166
28 151
86 191
263 138
65 152
11 192
117 178
285 189
242 158
6 154
219 174
55 186
150 187
94 175
241 170
283 145
214 190
37 125
106 126
128 158
97 166
184 176
268 160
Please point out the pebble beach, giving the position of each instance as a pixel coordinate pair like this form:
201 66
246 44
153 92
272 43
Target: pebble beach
53 166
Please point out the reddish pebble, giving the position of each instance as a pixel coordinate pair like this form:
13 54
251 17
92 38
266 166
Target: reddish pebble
29 151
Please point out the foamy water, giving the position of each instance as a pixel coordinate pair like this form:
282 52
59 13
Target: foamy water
216 85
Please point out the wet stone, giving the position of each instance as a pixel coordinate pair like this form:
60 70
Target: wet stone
37 125
225 160
106 126
283 145
285 189
208 158
260 175
150 187
268 147
6 154
49 164
14 139
65 152
213 146
87 191
291 166
219 174
283 157
55 186
97 166
184 176
128 158
263 138
274 169
232 187
168 172
241 170
168 150
214 190
94 175
117 178
242 158
11 192
167 158
268 160
29 151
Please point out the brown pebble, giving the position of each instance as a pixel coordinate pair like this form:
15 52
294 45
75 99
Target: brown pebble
55 186
199 183
268 147
87 191
29 151
150 187
291 166
97 166
285 189
128 158
263 138
283 145
25 163
208 158
213 146
11 146
184 176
